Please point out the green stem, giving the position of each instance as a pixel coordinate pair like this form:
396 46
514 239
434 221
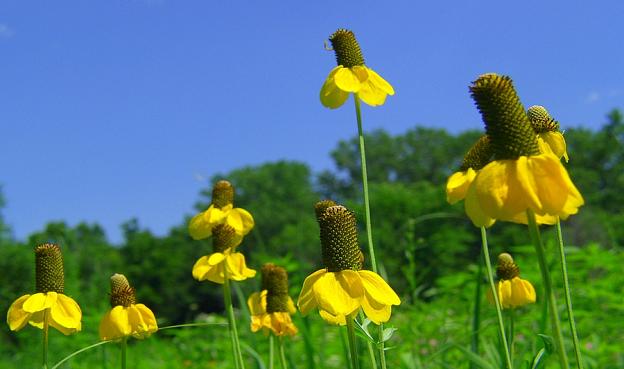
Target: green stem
227 296
568 298
355 363
46 316
282 353
476 317
369 345
499 314
552 303
369 231
271 350
124 347
510 339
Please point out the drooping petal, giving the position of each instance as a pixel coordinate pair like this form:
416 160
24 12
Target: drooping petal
114 324
141 320
333 319
374 89
237 268
379 82
257 302
457 185
376 312
199 227
338 292
331 96
16 316
522 292
306 300
504 293
66 315
201 267
378 289
348 80
39 302
553 142
241 220
291 306
474 210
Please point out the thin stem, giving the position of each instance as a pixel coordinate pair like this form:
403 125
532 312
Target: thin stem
510 314
552 303
124 347
476 316
227 296
369 230
499 314
271 350
46 317
568 298
369 345
355 363
282 353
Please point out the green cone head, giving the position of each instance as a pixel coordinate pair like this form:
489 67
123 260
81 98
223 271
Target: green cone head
121 292
49 276
222 194
275 281
506 122
347 49
339 241
479 155
321 206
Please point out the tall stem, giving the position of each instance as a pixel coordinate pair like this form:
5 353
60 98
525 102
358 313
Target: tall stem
510 338
369 231
552 303
271 350
227 296
355 363
282 354
499 314
46 316
568 298
124 348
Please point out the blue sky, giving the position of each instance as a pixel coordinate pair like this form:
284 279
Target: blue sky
117 109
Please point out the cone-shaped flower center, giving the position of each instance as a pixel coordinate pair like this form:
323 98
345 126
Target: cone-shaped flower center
506 268
49 268
321 206
224 237
222 194
541 120
275 282
339 243
121 292
479 155
506 122
347 49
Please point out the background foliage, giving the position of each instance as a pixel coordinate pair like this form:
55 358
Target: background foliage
428 251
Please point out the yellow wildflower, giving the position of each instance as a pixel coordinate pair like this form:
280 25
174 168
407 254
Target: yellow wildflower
521 177
49 305
341 288
549 137
271 308
211 267
512 291
126 317
351 75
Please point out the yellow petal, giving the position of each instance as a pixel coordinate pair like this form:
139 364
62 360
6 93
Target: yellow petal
333 319
291 306
553 142
348 80
331 96
306 300
522 292
16 316
338 292
141 320
376 312
114 324
39 302
457 185
504 293
201 267
257 302
199 227
237 269
66 315
241 220
380 83
216 216
474 211
377 289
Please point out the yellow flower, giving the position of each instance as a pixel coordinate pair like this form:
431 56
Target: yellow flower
553 142
278 322
126 318
49 306
506 189
210 267
512 291
351 75
362 81
341 288
549 137
63 312
341 294
202 224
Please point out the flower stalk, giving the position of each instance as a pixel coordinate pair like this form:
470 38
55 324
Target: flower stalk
355 363
568 298
227 297
282 353
45 338
552 303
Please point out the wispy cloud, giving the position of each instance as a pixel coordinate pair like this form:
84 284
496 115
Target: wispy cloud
5 31
595 96
592 97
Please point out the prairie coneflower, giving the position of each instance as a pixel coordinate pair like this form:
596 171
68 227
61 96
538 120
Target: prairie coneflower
512 290
341 288
271 307
126 317
549 136
520 178
352 75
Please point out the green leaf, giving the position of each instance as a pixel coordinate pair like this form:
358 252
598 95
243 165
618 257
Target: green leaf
388 333
539 359
549 345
